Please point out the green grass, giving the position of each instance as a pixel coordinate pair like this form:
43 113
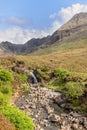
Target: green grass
5 75
74 89
25 88
14 115
17 117
5 86
72 85
5 94
21 77
58 47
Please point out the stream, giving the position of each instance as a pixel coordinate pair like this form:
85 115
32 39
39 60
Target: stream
41 104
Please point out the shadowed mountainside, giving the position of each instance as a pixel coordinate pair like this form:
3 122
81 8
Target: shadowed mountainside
74 29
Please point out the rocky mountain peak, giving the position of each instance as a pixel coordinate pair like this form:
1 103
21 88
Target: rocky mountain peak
77 20
73 29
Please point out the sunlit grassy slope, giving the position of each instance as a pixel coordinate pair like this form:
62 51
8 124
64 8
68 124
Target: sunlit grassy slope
64 46
69 55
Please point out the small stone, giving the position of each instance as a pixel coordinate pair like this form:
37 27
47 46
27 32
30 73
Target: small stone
54 118
63 105
22 96
36 116
85 125
26 106
49 110
41 129
26 100
22 108
75 126
38 127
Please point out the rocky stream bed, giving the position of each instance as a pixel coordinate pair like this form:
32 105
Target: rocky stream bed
43 105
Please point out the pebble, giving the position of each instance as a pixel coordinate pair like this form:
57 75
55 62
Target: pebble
37 104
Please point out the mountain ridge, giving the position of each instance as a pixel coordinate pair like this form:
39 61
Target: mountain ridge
76 27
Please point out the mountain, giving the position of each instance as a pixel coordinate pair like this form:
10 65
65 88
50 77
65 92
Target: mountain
77 20
74 29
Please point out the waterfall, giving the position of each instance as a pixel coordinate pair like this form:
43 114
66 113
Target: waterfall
34 77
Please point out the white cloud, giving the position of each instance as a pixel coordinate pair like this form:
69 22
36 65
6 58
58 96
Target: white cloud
52 16
16 35
14 21
56 24
19 35
67 13
18 21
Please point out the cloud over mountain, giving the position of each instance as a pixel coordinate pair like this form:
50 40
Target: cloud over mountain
19 35
69 12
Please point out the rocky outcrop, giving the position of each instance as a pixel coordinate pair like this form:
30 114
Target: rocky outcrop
40 104
77 20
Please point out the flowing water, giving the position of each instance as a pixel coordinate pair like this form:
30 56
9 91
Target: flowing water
34 77
40 103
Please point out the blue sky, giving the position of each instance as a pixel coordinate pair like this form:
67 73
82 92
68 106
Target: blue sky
21 20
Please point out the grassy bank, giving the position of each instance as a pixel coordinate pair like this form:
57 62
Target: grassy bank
15 116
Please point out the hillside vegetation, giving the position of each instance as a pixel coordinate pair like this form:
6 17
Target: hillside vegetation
71 56
63 46
5 124
62 67
10 114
